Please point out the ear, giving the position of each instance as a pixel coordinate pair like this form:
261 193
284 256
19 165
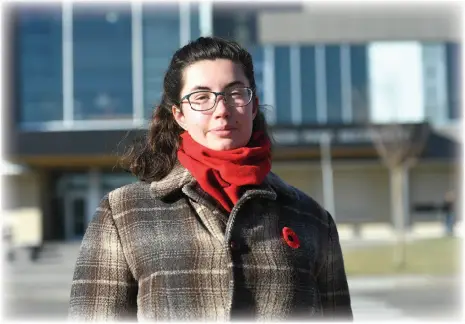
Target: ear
178 116
256 103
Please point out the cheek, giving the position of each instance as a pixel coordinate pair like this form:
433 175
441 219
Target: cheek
197 122
245 117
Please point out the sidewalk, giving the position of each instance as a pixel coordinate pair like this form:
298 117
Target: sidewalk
384 232
376 283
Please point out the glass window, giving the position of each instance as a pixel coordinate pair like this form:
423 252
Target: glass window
396 81
359 81
308 79
333 83
39 62
434 81
258 63
195 20
240 26
453 63
102 53
161 39
283 85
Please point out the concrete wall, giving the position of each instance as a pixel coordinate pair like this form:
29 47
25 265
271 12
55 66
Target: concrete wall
429 184
21 191
362 22
22 208
362 191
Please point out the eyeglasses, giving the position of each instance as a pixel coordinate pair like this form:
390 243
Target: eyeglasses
204 100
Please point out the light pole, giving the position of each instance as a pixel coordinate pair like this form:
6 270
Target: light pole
327 173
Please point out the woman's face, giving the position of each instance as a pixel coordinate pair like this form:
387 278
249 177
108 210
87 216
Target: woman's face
224 127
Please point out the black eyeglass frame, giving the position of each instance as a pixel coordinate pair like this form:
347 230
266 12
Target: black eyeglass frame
222 93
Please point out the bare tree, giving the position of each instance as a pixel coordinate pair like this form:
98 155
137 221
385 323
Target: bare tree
399 146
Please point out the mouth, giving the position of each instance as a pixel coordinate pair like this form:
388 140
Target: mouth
223 130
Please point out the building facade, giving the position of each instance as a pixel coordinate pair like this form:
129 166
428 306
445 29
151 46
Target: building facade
85 79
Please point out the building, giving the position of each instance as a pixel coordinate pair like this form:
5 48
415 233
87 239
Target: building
84 79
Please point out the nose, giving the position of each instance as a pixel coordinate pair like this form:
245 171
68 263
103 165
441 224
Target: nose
221 109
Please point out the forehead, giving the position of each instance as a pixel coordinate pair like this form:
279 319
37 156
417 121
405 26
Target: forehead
214 74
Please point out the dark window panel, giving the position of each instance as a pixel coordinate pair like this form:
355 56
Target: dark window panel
258 61
161 39
308 79
359 80
102 53
195 21
239 26
282 85
333 83
92 105
39 62
453 68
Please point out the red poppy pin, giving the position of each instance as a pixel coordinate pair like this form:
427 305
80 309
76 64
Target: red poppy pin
291 238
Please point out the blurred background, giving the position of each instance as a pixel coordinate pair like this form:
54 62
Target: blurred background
364 104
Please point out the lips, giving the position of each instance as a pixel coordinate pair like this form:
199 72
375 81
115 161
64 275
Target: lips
222 128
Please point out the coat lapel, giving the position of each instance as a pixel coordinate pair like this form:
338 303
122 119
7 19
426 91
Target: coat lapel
180 179
212 215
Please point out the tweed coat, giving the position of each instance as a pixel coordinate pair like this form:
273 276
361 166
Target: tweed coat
166 251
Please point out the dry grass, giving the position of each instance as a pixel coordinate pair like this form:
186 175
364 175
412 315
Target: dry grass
440 256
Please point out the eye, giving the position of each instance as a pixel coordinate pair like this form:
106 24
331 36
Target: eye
201 96
236 93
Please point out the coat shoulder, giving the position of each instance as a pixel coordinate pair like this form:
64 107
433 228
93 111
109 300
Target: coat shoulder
136 190
298 200
129 196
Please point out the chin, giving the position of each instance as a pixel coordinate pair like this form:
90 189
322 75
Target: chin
225 144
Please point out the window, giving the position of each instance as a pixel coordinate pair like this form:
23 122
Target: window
359 82
453 63
396 81
283 85
258 62
308 79
333 83
39 62
434 81
161 39
239 26
194 20
102 55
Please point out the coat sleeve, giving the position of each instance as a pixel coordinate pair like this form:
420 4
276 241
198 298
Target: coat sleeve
332 279
103 287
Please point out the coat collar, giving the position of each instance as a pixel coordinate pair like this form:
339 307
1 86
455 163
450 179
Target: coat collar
215 219
180 177
174 181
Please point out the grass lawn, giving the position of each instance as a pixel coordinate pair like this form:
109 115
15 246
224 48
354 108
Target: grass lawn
441 256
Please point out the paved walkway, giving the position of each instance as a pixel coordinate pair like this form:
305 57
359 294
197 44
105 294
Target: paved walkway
41 290
375 283
384 232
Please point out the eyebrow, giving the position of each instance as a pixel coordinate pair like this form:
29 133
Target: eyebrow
231 84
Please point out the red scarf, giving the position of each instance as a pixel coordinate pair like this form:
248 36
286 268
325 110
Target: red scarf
222 173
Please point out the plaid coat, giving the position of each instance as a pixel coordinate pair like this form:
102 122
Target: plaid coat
166 251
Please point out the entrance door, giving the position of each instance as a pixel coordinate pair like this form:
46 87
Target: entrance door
75 211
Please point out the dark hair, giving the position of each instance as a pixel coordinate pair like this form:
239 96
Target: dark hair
154 156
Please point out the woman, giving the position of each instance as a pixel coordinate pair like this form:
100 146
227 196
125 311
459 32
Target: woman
209 233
